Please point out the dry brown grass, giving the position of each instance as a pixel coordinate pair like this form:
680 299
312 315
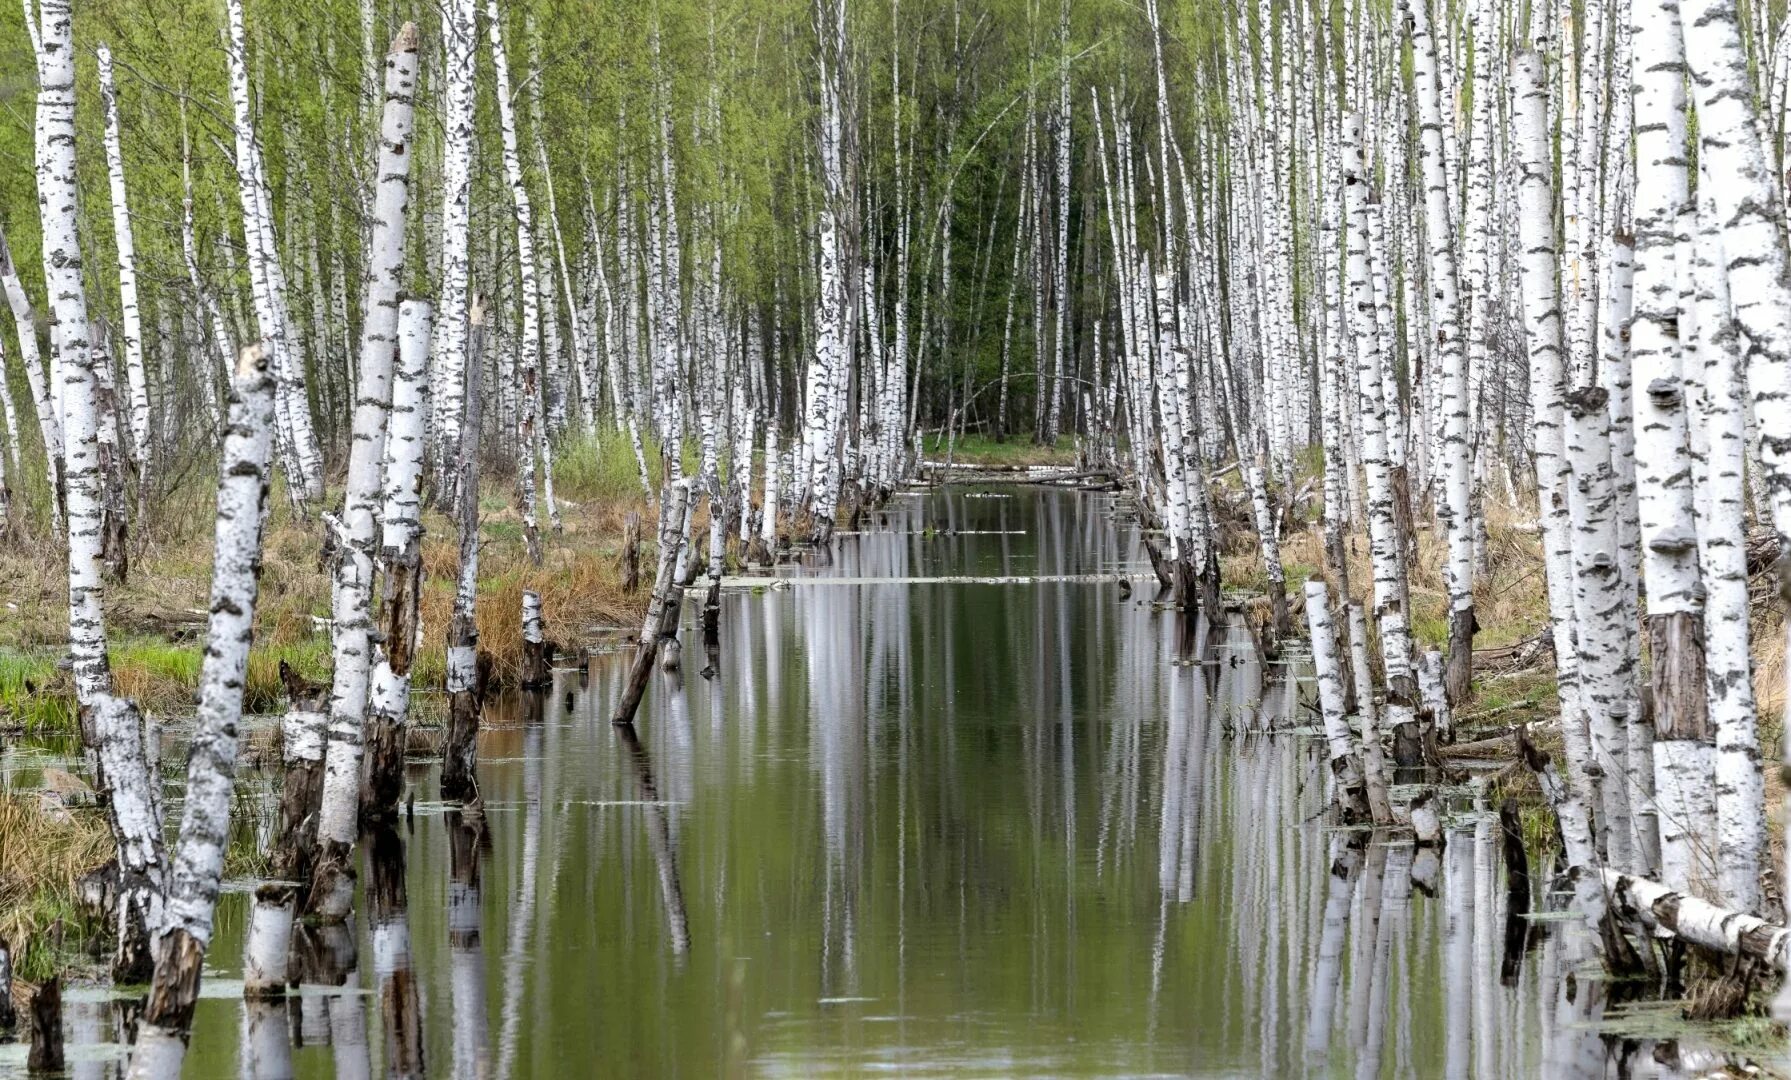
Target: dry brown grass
42 855
156 617
1510 600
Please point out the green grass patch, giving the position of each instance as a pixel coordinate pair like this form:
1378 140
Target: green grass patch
30 696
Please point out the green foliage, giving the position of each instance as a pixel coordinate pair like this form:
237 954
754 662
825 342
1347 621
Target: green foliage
599 466
977 449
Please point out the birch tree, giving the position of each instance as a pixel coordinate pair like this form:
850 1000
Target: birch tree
531 433
401 570
352 584
73 350
448 355
1683 750
198 868
130 313
49 422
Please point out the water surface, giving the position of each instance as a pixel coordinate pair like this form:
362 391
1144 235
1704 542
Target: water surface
930 828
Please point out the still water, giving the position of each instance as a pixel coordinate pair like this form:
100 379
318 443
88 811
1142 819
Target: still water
925 827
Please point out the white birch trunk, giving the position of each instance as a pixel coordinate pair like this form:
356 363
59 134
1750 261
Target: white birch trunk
131 315
1755 259
1374 758
49 418
1542 317
1386 546
1728 672
448 355
211 761
1604 672
531 431
1734 933
1683 758
401 539
74 352
352 594
1327 661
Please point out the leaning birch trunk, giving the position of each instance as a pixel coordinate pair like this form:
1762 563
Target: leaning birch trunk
49 422
530 431
211 762
672 517
1327 661
1721 930
401 555
468 671
1542 317
448 356
73 353
1684 765
1728 665
352 595
131 315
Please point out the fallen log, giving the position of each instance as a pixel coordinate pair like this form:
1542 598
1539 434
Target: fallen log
1697 921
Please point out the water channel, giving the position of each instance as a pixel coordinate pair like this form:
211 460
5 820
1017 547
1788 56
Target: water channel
925 823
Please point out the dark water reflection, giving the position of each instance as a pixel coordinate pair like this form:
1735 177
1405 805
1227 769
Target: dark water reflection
931 828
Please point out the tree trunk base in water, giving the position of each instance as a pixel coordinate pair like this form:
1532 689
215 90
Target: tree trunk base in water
46 1028
460 755
332 886
1210 585
712 630
537 665
176 988
1408 745
269 944
382 768
1165 580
